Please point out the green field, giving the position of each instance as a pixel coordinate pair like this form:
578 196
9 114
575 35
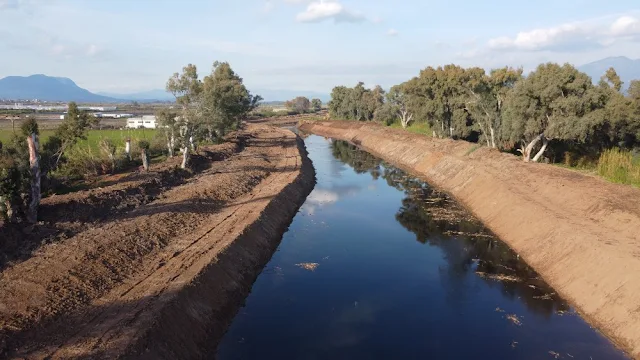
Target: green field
94 136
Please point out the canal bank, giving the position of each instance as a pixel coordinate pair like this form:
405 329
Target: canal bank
579 232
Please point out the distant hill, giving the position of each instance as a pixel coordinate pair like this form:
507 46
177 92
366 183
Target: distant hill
626 68
151 95
47 88
284 95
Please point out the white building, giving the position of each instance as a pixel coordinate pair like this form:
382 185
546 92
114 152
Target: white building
146 121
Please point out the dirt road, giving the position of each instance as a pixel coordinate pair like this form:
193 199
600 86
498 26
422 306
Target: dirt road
161 278
581 233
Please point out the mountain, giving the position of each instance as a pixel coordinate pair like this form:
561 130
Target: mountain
47 88
284 95
626 68
151 95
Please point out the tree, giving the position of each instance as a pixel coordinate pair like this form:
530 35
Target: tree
300 104
225 100
398 100
168 121
109 149
553 102
611 80
75 127
31 132
316 104
357 103
486 100
439 97
186 88
144 154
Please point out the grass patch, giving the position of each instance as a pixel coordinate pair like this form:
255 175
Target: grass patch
472 149
93 138
421 128
620 167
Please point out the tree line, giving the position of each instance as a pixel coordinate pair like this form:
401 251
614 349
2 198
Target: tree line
553 111
206 110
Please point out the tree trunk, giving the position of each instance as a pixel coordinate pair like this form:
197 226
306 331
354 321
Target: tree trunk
145 160
127 149
34 163
185 157
526 154
545 142
404 120
493 137
6 209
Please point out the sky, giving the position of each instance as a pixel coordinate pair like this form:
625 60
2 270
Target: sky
306 45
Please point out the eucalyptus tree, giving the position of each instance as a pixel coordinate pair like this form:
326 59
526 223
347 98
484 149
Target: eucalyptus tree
31 132
554 102
486 100
399 103
75 127
300 104
186 88
439 95
316 104
169 125
225 100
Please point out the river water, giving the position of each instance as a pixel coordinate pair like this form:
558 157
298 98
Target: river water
378 265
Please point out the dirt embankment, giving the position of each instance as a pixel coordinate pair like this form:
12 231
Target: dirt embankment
164 279
581 233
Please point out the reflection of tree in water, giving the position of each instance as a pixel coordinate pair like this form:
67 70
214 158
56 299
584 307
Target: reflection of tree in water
439 221
361 161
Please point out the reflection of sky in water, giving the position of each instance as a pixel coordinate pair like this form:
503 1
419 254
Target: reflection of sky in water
379 293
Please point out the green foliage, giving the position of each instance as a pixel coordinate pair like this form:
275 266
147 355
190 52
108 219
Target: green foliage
316 104
29 126
144 145
357 103
299 105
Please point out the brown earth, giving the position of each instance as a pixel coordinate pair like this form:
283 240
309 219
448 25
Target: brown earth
164 277
581 233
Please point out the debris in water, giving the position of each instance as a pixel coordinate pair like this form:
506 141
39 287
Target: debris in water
325 258
545 296
499 310
569 355
554 354
514 319
514 344
308 266
498 277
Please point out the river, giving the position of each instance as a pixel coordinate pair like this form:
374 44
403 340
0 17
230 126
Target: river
378 265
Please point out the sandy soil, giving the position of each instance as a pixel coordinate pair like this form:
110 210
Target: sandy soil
581 233
163 275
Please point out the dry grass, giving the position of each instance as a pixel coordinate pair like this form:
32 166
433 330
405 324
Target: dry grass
620 167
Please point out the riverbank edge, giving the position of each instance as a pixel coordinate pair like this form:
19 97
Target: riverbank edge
551 237
176 333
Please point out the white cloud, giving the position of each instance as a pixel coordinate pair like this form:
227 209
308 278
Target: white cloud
575 36
626 26
393 32
324 10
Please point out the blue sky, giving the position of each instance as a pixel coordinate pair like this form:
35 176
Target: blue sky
128 46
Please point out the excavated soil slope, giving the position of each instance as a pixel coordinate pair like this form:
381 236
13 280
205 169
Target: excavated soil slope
581 233
163 280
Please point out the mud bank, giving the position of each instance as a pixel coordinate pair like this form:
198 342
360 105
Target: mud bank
166 279
581 233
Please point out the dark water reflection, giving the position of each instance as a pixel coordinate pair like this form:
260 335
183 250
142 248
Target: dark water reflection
454 291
